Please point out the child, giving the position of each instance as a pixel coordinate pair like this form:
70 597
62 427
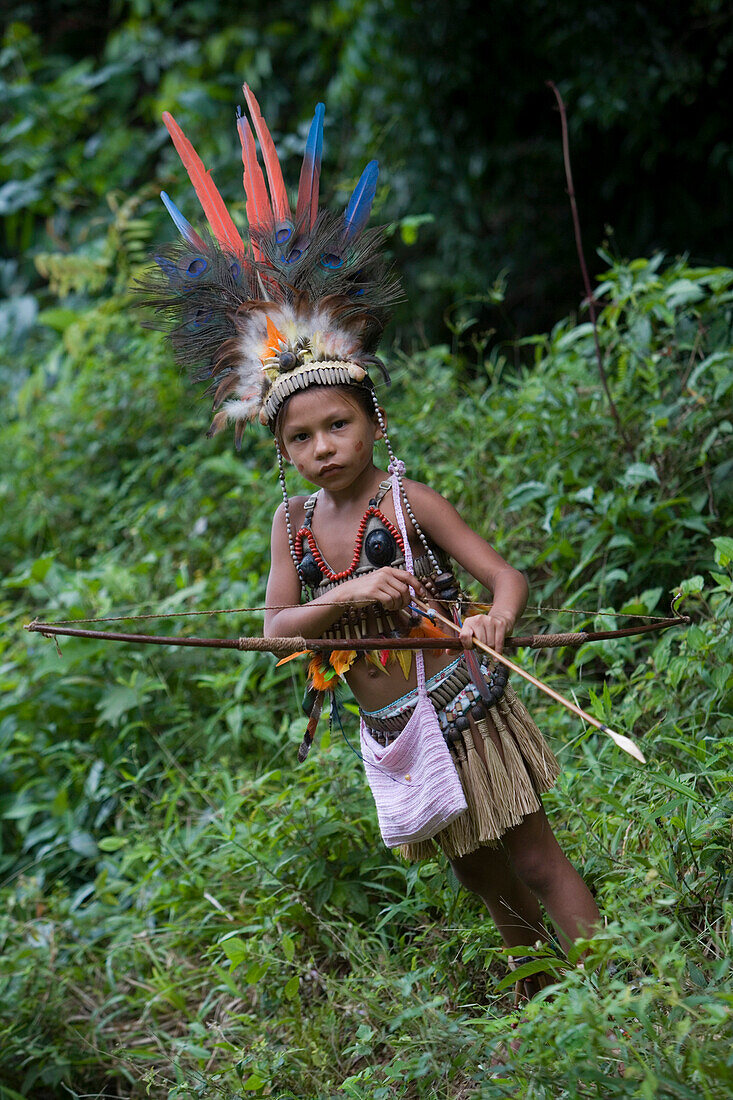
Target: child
328 433
285 329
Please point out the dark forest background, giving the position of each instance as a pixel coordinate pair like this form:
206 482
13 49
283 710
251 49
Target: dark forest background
450 97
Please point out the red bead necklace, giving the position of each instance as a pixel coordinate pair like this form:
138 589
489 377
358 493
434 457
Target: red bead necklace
305 533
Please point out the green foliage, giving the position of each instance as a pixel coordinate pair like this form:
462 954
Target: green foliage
452 103
547 473
182 913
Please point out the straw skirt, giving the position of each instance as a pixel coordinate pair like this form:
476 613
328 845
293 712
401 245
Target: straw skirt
502 783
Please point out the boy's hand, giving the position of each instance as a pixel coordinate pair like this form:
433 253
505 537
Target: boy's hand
388 586
490 629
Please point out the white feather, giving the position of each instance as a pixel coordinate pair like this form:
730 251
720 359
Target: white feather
243 409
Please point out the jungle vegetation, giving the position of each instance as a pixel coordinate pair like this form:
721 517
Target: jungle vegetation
185 911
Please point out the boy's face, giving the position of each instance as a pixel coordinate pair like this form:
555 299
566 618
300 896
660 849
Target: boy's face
328 437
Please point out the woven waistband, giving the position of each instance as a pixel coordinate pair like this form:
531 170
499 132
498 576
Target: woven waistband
441 695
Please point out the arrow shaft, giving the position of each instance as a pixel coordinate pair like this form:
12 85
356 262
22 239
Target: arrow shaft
621 740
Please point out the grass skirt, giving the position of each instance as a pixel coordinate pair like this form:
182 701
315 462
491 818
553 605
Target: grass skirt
501 788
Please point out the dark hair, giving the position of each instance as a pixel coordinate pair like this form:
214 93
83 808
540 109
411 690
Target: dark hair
358 395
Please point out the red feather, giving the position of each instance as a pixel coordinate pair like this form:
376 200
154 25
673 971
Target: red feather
213 204
278 194
259 211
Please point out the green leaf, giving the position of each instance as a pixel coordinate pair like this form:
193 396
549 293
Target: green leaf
410 226
236 951
83 843
254 1082
526 970
692 584
256 971
580 332
117 702
526 492
723 549
291 987
113 843
683 292
638 473
288 947
58 319
696 639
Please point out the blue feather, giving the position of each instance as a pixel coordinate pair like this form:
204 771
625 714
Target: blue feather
310 173
314 144
184 227
357 212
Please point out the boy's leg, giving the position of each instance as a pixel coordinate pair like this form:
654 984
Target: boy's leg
516 912
539 862
515 909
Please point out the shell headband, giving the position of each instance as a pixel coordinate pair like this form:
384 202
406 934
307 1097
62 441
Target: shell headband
302 301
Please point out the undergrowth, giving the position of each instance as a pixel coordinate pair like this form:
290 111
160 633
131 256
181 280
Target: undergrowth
185 912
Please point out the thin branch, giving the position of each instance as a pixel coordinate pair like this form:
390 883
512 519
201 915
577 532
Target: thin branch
584 269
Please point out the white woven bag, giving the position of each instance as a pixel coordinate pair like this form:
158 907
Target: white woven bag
414 781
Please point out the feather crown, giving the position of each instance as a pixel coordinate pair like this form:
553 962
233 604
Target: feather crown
302 302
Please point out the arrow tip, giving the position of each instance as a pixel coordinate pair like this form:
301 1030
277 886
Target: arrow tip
626 744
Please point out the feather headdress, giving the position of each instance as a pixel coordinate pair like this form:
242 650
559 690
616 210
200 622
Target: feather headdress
302 302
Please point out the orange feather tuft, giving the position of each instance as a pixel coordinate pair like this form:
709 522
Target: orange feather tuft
426 629
275 339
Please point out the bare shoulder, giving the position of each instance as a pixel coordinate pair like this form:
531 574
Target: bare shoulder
426 502
445 526
297 513
441 521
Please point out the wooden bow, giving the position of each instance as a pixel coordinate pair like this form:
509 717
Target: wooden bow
285 646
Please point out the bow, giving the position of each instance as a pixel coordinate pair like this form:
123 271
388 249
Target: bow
297 645
285 646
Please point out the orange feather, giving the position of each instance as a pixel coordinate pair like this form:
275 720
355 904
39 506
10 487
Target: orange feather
426 629
278 194
275 340
259 212
292 657
211 201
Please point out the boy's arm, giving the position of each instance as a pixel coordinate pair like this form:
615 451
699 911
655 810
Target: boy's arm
390 587
442 523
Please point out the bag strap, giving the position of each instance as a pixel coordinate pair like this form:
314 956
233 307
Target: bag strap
310 506
384 488
396 499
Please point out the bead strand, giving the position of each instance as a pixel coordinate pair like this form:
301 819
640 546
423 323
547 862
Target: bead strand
403 494
286 502
307 534
418 528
